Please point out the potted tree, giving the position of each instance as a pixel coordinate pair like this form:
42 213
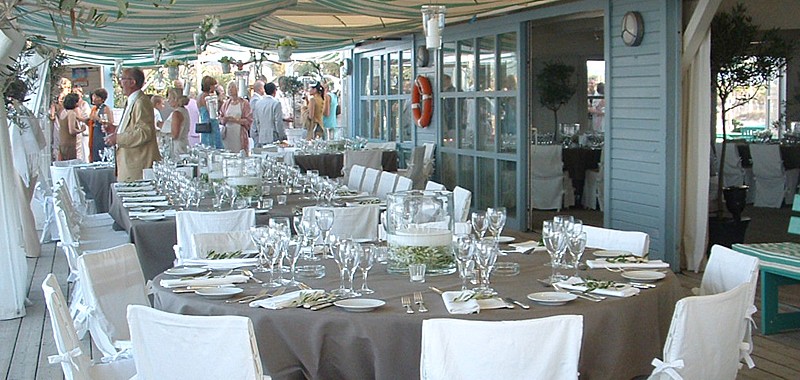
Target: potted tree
226 64
743 60
286 46
173 66
556 84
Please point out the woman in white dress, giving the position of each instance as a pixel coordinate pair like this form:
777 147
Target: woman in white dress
178 122
237 117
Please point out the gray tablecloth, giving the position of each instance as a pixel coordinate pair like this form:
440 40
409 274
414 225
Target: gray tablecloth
330 165
96 182
154 239
621 336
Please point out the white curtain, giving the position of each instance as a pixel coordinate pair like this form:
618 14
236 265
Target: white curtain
696 124
13 265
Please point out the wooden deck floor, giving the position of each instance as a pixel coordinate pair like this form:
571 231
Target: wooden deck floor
25 343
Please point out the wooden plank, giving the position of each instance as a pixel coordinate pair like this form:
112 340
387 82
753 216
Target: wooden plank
8 335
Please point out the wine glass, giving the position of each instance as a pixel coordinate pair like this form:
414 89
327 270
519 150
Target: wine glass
341 255
555 242
259 237
292 254
312 233
486 253
463 249
281 227
324 218
496 220
273 253
365 263
479 224
576 245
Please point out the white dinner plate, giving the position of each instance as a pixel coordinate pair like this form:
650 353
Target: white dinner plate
218 293
505 239
185 271
643 275
612 253
359 305
152 218
263 210
551 298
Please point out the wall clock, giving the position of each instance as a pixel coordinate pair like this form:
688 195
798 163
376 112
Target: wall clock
423 56
632 28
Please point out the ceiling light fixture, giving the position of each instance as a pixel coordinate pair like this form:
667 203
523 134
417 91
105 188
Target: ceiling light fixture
433 25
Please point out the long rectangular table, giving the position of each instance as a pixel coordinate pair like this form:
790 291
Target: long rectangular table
621 335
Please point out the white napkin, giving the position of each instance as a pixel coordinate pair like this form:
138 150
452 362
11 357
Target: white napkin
150 198
136 214
222 263
526 246
143 204
204 281
459 307
625 291
137 193
602 263
286 300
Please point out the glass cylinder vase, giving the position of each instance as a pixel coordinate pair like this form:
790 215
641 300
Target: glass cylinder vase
419 228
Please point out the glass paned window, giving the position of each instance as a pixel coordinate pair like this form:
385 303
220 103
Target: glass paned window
365 125
508 62
466 122
394 73
393 118
486 124
466 174
486 68
466 71
508 190
449 172
366 87
483 196
507 119
406 71
378 77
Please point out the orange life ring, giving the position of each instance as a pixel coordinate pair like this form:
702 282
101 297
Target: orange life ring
422 101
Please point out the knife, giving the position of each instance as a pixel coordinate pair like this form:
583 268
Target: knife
515 302
321 306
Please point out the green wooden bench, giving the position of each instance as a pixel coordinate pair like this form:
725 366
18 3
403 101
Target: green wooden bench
780 266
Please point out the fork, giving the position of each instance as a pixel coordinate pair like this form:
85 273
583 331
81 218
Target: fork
249 273
303 286
420 302
407 304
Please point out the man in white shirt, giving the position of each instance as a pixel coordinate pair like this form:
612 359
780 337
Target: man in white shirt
258 93
268 118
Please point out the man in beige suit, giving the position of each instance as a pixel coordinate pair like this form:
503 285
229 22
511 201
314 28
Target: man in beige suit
135 136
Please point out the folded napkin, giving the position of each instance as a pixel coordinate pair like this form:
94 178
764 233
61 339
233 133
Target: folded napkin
150 198
204 281
143 204
623 290
137 193
602 263
131 185
222 263
526 246
292 299
459 307
136 214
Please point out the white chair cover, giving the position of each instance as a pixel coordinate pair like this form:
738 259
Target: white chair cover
416 168
727 269
355 177
403 184
635 242
434 186
174 346
545 348
733 172
390 145
547 177
370 181
366 158
111 280
222 242
188 223
462 198
704 337
428 161
357 222
75 363
774 185
386 184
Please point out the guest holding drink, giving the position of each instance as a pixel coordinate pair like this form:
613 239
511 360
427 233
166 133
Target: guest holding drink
100 116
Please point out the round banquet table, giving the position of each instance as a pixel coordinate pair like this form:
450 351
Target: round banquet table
621 335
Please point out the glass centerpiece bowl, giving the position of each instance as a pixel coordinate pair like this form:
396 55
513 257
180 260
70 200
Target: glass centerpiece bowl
419 230
244 174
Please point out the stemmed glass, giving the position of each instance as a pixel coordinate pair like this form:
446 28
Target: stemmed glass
463 249
273 253
324 219
312 233
555 241
281 227
486 253
496 220
479 224
365 262
576 245
345 253
293 253
260 237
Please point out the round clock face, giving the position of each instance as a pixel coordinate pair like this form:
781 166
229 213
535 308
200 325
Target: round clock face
632 29
422 56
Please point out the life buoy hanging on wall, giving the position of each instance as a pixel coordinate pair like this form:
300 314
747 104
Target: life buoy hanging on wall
422 101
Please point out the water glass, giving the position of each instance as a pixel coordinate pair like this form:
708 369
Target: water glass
496 217
365 262
463 249
416 272
576 246
479 224
282 198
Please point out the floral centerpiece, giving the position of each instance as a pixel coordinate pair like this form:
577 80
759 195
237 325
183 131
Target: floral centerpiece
285 47
173 66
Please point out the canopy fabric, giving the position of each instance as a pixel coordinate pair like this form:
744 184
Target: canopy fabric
319 25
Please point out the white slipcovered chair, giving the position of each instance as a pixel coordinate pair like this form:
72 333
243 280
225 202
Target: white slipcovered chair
111 280
774 184
733 172
188 223
366 158
704 337
222 242
389 145
370 181
174 346
462 198
357 222
416 168
386 184
547 177
75 363
355 177
403 184
434 186
545 348
635 242
727 269
428 160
